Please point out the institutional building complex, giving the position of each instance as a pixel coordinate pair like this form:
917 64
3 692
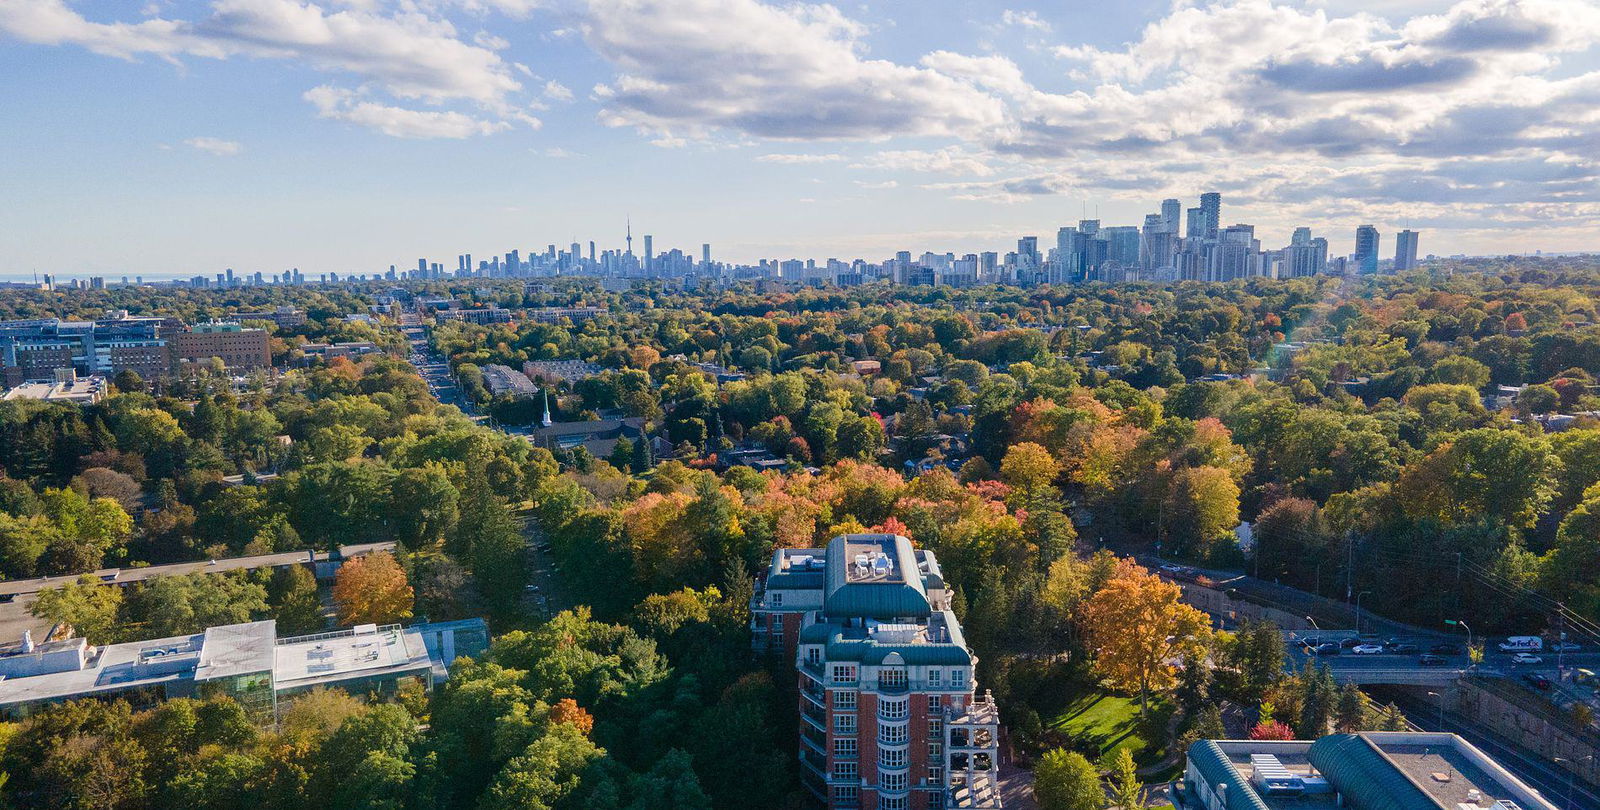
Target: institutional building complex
245 661
891 718
1368 771
34 350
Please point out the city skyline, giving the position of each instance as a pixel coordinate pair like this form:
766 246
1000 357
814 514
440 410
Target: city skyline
1177 243
185 137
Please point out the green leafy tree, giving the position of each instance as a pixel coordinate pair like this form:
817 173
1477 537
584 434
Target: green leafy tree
87 604
295 603
423 506
1202 510
545 774
1065 780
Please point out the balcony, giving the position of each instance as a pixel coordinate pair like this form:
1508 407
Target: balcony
816 693
893 687
816 738
817 716
814 762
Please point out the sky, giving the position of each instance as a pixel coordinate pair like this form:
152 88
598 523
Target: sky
174 138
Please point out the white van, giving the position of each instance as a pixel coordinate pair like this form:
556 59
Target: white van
1522 644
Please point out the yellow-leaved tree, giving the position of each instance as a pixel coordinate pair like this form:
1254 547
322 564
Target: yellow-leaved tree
1138 631
372 590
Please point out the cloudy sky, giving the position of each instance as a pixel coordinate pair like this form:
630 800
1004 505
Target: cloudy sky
180 137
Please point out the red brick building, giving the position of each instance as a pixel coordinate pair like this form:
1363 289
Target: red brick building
890 714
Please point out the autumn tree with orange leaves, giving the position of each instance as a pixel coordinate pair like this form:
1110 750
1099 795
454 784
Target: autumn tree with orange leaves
1138 629
372 590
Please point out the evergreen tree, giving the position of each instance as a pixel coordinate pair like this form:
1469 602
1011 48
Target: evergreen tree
644 457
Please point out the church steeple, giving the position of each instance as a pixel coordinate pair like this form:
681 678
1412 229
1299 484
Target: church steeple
545 420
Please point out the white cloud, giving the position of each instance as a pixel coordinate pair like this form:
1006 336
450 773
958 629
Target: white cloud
215 146
484 39
799 159
556 91
878 185
792 72
559 153
950 160
409 53
1024 19
348 105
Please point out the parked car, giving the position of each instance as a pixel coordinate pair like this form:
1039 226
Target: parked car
1329 649
1430 660
1347 643
1366 649
1537 681
1526 658
1445 649
1404 649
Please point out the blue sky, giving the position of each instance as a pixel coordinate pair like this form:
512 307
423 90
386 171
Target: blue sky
177 138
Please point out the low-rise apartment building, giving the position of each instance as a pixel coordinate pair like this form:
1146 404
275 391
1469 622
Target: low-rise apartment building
891 717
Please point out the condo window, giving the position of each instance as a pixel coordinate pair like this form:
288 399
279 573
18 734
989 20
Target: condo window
893 709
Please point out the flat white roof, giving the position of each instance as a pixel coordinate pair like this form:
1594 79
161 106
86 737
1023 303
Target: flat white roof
309 660
236 649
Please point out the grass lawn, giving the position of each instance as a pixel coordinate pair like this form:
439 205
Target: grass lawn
1098 723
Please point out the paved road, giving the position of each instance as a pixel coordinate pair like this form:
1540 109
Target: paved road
20 594
433 368
122 576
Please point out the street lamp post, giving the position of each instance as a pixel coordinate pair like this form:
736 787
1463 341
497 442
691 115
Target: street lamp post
1466 627
1572 773
1441 709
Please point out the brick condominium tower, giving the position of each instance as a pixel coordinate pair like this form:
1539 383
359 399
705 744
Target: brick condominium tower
890 715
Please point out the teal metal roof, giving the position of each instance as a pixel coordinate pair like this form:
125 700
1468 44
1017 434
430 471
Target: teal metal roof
1213 764
818 633
898 594
1364 776
854 644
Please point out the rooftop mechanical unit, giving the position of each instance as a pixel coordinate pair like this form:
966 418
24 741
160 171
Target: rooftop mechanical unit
1271 778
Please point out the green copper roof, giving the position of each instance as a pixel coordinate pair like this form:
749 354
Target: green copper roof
1213 764
888 587
854 644
1364 776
